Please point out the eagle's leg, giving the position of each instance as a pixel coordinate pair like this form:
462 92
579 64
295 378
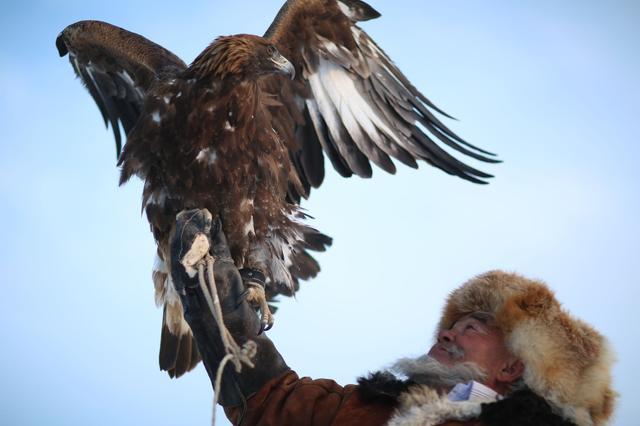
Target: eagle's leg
255 295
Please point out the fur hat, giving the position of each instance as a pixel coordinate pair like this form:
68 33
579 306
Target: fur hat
567 362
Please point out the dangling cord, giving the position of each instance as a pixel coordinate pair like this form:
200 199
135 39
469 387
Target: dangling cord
234 354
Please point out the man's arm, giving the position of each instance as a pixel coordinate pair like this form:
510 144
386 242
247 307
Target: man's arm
270 393
239 316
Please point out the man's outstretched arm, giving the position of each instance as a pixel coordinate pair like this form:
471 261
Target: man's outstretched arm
270 393
239 316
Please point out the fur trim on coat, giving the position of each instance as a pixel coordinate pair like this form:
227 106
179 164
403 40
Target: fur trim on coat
420 405
423 406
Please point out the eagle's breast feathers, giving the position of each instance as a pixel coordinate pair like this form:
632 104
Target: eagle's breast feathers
212 144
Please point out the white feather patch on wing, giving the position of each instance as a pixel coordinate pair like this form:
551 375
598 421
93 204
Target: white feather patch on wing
377 59
328 112
341 104
316 119
344 56
343 92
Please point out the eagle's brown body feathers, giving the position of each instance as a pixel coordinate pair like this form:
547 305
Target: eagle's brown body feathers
210 143
230 135
206 140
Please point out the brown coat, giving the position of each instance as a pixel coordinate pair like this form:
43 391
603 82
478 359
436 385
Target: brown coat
291 401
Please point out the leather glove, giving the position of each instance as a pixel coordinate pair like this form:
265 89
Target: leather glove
239 317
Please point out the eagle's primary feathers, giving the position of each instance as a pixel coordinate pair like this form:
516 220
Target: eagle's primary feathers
242 131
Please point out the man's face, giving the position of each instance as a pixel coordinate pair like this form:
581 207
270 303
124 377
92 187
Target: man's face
473 339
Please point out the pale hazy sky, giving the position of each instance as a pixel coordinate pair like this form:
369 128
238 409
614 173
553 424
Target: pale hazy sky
552 86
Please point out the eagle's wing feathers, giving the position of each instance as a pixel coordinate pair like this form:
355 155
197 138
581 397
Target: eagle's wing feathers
358 105
117 67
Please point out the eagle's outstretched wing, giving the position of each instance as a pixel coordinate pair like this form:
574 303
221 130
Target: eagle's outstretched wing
350 101
117 67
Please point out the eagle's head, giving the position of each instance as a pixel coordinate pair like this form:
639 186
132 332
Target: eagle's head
240 56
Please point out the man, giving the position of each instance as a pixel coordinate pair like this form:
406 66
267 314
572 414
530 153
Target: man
505 354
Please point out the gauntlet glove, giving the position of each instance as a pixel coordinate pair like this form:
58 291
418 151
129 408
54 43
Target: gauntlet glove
239 317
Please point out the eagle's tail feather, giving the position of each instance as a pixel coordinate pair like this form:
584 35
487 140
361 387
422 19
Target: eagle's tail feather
178 351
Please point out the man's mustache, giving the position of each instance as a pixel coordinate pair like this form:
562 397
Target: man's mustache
456 352
428 371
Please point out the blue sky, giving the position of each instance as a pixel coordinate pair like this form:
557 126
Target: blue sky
551 86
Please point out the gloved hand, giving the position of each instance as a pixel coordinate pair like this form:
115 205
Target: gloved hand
239 317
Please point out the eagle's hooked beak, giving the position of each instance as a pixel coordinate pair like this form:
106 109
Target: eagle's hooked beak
284 66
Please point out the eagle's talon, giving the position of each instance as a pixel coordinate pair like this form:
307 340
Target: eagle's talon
255 295
266 317
266 323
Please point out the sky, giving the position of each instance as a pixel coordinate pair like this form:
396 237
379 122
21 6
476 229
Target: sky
552 87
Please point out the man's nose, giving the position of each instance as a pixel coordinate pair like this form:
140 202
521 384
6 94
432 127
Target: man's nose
446 336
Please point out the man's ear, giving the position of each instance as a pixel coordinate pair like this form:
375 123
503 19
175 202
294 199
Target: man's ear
512 370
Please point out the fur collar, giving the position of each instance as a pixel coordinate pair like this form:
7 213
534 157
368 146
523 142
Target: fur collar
423 406
417 404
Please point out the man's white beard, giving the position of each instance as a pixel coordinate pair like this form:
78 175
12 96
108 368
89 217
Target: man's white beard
429 371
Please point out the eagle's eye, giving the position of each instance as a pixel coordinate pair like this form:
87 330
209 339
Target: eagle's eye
271 50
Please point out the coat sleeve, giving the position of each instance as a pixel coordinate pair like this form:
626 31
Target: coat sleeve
292 401
289 400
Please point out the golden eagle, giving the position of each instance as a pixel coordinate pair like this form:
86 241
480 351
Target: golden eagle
242 130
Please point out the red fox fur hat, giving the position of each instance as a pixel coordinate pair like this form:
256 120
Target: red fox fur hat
567 362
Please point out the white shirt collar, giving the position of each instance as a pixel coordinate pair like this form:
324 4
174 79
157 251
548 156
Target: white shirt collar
473 391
